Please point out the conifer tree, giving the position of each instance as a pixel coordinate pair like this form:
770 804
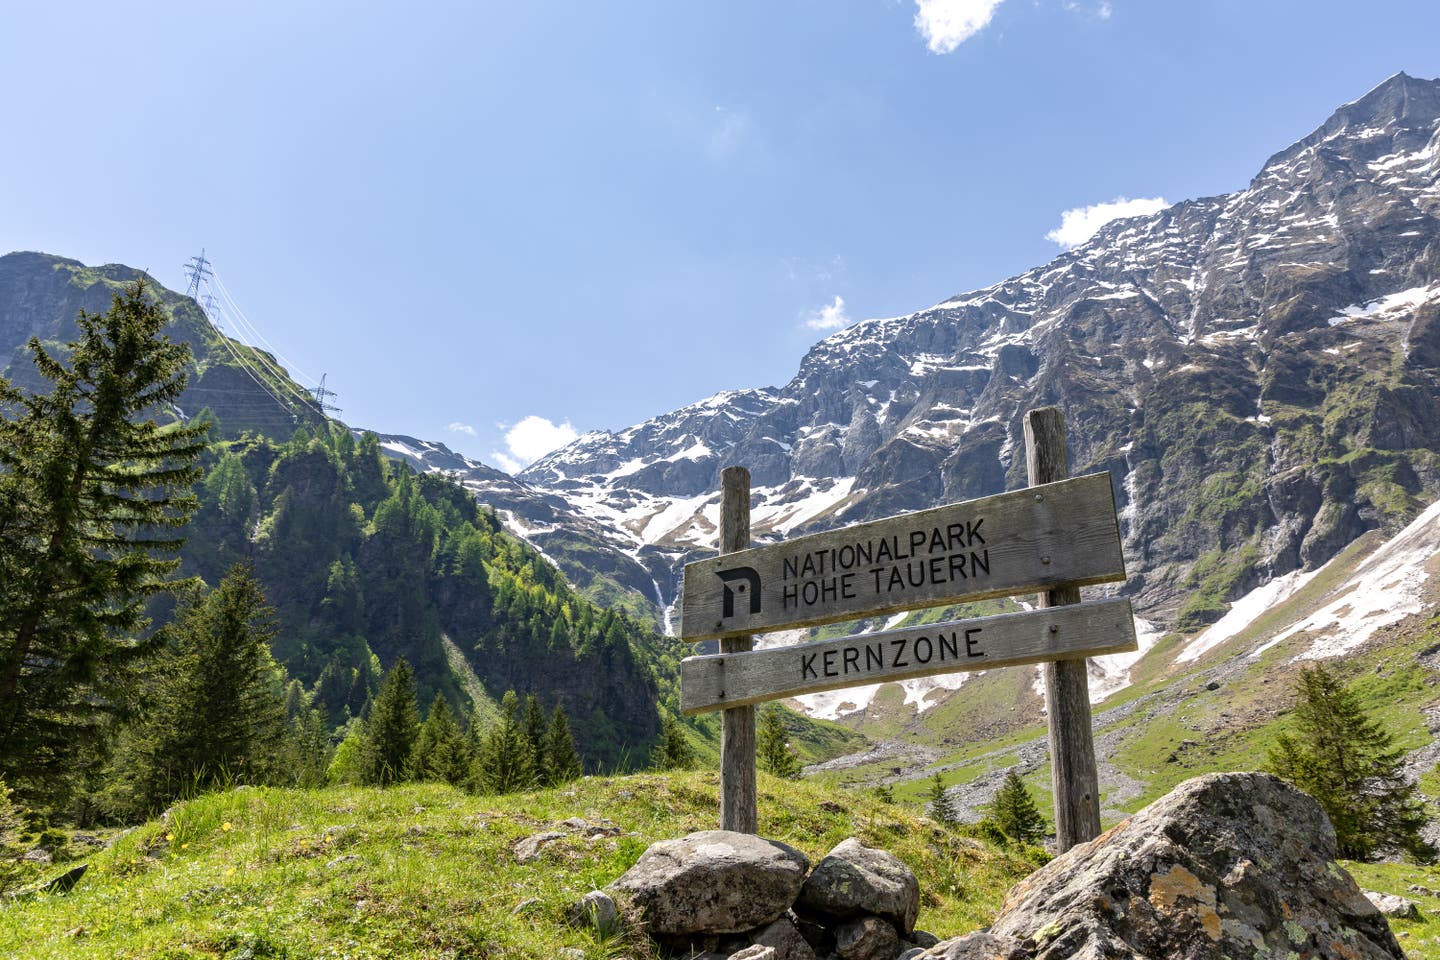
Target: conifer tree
219 714
1014 813
13 869
772 745
673 752
93 492
506 763
940 809
312 748
562 760
441 751
1350 764
390 729
534 724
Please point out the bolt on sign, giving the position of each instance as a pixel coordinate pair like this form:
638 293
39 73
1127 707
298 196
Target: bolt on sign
1018 542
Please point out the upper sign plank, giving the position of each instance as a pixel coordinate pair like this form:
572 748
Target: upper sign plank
1030 539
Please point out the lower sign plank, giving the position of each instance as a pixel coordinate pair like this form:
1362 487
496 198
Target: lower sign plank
1058 633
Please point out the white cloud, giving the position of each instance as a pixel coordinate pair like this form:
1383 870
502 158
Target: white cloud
465 428
829 317
529 440
1081 223
945 24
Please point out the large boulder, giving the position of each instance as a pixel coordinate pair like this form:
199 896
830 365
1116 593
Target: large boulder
1235 865
854 880
711 882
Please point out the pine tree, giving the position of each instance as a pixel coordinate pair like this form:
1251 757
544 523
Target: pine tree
13 869
442 753
940 809
93 492
506 763
772 745
312 749
1350 764
219 714
534 725
562 761
390 729
673 752
1014 812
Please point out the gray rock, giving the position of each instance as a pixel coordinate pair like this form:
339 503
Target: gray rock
785 937
528 850
1237 865
869 938
911 952
922 939
596 910
1394 905
756 951
338 861
854 880
978 946
711 882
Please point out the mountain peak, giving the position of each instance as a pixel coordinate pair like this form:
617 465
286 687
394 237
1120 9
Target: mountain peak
1401 103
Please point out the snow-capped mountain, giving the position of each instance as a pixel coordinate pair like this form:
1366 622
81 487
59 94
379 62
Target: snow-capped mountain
1257 371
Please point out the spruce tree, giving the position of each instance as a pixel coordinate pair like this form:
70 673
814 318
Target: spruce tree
940 809
391 729
93 492
1014 813
673 752
442 753
506 763
772 745
534 724
562 760
312 749
219 713
1350 764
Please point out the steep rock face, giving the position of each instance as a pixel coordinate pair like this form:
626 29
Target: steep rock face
1257 371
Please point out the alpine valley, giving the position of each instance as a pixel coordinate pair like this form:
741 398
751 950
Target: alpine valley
1258 372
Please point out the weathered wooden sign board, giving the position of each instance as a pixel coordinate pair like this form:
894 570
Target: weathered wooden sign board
1052 537
733 680
1026 540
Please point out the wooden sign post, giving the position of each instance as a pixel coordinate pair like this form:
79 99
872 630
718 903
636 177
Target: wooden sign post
1073 777
1054 536
738 809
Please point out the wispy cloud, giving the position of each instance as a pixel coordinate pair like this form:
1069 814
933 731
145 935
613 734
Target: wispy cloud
727 133
529 440
1082 223
829 317
465 428
945 24
1100 9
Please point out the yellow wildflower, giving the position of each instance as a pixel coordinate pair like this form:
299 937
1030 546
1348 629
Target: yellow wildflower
227 826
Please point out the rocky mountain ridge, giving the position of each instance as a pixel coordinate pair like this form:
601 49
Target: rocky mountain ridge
1258 372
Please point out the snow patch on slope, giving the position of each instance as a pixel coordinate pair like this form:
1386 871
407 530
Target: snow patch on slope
1384 589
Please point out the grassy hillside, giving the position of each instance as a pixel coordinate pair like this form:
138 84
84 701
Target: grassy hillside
427 871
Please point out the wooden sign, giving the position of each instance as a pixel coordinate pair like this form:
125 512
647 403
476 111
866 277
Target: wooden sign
1085 629
1031 539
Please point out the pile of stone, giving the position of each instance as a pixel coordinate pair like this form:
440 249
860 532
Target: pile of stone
1237 866
721 894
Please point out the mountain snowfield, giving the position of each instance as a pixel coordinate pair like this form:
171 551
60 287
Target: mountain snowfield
1257 371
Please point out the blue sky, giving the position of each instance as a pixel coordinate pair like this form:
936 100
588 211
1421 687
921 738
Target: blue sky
489 224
